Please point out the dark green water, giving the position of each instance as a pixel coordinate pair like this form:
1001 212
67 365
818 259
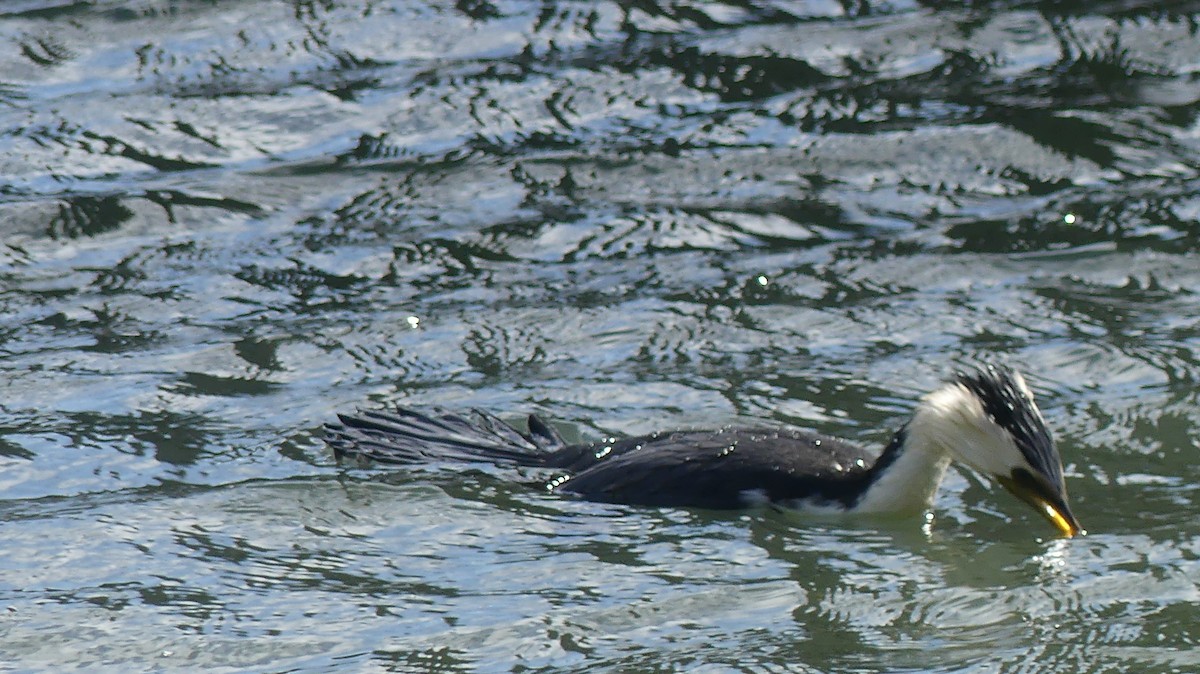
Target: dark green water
223 223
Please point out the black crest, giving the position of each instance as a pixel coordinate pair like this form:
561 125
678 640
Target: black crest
1004 401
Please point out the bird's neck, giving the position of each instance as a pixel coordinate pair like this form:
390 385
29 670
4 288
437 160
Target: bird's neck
907 474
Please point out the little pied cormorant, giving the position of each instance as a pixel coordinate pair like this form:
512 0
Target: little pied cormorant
984 418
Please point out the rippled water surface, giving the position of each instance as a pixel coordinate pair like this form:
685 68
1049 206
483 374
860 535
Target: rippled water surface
224 223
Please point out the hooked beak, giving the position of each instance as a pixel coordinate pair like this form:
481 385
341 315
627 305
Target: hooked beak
1050 502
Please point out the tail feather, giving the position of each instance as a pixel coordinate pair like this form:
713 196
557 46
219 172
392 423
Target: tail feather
409 436
544 436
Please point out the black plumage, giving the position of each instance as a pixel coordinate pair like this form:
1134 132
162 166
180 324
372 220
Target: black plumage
727 468
985 418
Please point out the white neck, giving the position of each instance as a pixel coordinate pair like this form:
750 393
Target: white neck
946 422
911 479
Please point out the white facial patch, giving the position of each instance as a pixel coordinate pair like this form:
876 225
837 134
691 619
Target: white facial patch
953 418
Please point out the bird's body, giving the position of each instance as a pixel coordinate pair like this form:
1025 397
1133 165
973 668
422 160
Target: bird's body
727 468
986 419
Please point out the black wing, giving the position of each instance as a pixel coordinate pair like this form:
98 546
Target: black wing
725 469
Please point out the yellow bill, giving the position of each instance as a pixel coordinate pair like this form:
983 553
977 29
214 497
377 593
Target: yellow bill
1044 499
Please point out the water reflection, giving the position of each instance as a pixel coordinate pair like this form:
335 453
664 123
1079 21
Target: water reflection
219 222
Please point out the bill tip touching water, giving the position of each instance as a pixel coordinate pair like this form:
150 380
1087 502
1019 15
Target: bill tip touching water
984 418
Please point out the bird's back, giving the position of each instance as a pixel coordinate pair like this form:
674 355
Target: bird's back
729 468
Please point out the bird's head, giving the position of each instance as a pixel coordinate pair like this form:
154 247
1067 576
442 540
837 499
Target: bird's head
987 419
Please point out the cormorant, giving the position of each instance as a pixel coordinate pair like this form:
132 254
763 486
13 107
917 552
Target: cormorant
985 418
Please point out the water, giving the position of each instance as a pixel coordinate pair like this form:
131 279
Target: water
224 224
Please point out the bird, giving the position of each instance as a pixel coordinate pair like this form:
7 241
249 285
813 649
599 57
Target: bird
983 417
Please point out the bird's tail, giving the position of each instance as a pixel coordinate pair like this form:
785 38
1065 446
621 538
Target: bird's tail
407 436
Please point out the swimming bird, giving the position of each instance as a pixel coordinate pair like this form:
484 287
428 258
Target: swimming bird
984 418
